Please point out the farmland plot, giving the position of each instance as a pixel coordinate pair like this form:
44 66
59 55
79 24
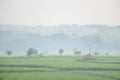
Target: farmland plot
59 68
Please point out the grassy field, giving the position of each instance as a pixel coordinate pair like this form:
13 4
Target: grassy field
59 68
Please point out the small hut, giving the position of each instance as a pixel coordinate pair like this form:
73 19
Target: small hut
88 57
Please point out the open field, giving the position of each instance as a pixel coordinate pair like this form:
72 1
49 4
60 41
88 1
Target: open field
59 68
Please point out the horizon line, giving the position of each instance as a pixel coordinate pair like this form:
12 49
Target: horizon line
59 24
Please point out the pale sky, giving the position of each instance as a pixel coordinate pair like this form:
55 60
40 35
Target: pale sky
52 12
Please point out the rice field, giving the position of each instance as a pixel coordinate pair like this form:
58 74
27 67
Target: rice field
59 68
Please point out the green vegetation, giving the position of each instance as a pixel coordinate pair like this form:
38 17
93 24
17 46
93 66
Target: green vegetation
96 53
59 68
77 52
8 52
32 51
61 50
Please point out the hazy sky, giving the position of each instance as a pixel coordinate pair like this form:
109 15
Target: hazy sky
51 12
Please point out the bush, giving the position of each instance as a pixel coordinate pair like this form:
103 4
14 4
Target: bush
9 52
32 51
61 50
77 52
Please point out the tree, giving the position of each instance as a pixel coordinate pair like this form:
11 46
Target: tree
32 51
9 52
61 50
77 52
106 53
96 53
41 54
35 52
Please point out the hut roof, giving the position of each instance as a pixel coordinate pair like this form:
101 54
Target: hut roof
88 57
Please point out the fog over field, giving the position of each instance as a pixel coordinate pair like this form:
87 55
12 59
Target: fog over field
48 25
59 39
49 39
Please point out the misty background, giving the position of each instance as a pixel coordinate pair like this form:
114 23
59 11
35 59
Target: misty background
48 25
49 39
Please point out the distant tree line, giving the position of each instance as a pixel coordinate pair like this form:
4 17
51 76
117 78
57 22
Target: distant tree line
34 52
